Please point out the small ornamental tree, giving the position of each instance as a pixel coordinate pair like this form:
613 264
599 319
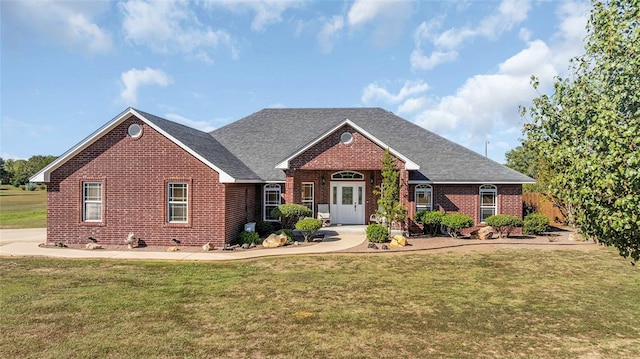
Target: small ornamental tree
503 223
389 206
308 227
431 220
455 222
290 213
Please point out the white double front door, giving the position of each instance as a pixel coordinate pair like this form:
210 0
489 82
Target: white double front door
347 202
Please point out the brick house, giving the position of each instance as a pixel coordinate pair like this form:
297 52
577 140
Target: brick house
161 180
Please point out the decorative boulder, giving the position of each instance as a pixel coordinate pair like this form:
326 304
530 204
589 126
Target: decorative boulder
486 233
173 249
398 241
274 241
93 246
208 247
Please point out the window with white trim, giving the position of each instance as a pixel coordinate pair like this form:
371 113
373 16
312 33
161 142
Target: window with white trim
272 199
177 202
307 195
423 198
488 201
92 202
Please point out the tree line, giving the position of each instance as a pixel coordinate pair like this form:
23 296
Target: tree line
18 172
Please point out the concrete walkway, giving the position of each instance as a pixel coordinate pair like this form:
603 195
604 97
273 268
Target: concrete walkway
24 243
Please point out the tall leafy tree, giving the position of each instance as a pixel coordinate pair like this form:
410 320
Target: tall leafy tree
389 206
587 130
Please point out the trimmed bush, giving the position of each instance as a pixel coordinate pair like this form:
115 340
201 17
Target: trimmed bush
290 213
431 221
264 228
308 227
455 222
503 223
249 237
535 223
377 233
31 186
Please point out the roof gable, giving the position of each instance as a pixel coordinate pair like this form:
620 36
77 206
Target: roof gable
408 164
199 144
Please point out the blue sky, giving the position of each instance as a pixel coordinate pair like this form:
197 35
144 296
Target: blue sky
458 68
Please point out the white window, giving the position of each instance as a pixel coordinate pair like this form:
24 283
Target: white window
488 201
307 195
177 202
272 200
423 198
92 202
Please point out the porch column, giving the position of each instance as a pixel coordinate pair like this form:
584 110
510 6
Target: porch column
288 187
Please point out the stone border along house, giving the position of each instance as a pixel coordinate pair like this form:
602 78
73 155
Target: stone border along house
161 180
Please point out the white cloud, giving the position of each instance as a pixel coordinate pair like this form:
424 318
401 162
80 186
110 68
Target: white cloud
445 44
330 31
135 78
388 18
374 93
267 12
171 26
67 23
204 126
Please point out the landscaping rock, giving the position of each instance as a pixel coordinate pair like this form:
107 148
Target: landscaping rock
398 241
486 232
208 247
384 246
372 245
173 249
274 241
93 246
245 245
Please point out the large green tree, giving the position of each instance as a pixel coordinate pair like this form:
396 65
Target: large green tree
587 130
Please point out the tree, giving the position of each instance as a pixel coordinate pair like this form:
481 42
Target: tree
389 206
587 130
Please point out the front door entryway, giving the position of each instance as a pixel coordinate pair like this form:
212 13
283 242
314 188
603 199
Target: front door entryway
347 202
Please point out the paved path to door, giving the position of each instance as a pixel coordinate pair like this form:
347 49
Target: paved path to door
24 243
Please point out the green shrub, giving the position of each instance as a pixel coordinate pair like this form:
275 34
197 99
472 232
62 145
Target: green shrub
290 213
535 223
249 237
455 222
287 232
42 187
308 227
377 233
503 223
31 186
431 221
264 228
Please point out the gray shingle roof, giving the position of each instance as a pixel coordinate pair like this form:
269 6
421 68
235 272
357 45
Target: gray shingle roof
206 146
265 138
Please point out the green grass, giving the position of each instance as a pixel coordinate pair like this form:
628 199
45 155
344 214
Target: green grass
22 209
509 303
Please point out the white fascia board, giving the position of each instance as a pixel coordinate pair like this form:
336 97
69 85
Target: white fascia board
479 182
45 173
408 164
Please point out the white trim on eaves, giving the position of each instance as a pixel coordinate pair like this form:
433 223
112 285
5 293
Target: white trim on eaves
408 164
44 175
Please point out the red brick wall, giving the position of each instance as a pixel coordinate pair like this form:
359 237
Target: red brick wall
465 199
134 173
240 208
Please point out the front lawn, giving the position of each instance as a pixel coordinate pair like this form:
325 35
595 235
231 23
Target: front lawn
515 303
